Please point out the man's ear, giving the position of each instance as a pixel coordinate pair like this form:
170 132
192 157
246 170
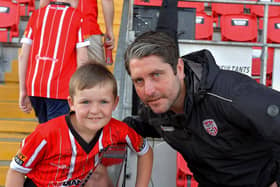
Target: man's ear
180 68
70 103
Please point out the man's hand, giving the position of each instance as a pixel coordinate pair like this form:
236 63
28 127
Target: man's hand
273 185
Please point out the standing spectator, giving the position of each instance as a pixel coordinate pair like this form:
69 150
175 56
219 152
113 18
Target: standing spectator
53 46
89 10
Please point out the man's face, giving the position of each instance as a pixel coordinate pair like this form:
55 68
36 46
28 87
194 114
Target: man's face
156 84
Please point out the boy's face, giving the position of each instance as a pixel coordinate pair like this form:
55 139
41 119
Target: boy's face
93 107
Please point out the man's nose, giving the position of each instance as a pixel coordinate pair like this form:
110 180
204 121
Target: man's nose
149 88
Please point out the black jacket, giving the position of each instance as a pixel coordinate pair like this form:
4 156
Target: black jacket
230 132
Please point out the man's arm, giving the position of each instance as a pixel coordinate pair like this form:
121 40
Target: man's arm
108 12
24 102
82 56
141 127
144 168
14 178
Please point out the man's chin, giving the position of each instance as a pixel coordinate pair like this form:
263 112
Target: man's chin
158 110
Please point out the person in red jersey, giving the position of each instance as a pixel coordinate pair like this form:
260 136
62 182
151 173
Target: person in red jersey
53 46
64 150
89 10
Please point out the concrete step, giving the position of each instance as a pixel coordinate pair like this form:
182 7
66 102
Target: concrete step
12 76
3 172
10 110
8 150
9 92
17 126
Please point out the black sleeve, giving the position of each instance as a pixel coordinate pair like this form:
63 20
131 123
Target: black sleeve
141 127
261 105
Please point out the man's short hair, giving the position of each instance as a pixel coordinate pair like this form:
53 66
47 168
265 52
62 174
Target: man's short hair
153 43
90 75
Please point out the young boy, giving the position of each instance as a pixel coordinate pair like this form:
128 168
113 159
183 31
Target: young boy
65 149
53 46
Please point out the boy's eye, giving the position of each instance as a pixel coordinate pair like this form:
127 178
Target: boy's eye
104 101
85 102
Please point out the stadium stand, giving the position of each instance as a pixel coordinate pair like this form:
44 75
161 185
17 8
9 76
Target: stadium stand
9 20
239 27
184 175
203 26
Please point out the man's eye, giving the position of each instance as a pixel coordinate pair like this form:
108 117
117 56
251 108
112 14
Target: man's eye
156 74
138 81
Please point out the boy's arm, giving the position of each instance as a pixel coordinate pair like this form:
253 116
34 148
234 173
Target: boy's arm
24 102
144 168
14 178
108 12
82 56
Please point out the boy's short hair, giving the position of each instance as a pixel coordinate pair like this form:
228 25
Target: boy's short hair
90 75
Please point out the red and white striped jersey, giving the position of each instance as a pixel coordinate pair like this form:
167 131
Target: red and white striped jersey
54 32
89 9
55 155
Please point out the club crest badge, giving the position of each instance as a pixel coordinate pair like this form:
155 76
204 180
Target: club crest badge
210 127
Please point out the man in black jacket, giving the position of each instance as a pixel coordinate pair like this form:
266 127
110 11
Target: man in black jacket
225 124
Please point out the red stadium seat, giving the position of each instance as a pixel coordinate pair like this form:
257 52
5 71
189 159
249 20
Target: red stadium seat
256 64
203 27
273 30
26 7
258 10
182 4
219 9
9 20
197 5
184 175
241 28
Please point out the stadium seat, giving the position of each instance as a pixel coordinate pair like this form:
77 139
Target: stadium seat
184 176
273 30
219 9
26 7
182 4
258 10
148 2
242 28
197 5
256 64
9 20
203 27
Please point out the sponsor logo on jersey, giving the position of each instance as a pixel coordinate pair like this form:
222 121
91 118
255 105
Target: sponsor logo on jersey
20 158
210 127
74 182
